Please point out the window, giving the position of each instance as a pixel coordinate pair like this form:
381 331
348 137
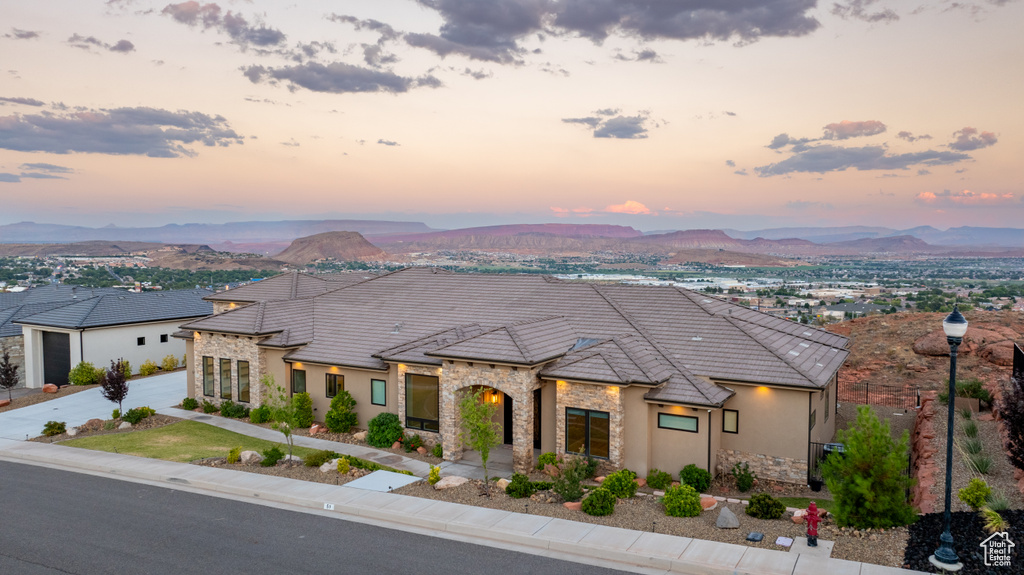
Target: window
677 422
730 421
208 376
335 383
298 381
422 404
243 381
225 379
163 338
587 432
828 406
140 341
378 392
814 417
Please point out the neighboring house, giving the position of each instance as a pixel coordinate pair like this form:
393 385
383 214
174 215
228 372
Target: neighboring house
111 326
643 377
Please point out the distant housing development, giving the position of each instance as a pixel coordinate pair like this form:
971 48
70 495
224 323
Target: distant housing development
639 376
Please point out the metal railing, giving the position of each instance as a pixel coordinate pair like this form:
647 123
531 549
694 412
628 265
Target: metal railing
899 397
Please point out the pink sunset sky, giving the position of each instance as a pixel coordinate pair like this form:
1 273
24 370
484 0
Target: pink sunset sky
652 113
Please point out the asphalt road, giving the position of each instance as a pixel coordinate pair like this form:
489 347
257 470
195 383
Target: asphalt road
54 521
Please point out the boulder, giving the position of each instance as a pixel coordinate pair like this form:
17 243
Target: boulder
292 458
935 343
4 402
396 445
599 479
93 425
708 503
124 425
331 465
727 519
250 457
641 482
450 481
573 505
421 450
798 519
50 388
72 431
359 436
502 483
316 429
1000 353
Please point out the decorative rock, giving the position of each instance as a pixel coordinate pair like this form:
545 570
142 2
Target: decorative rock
573 505
421 450
4 402
359 436
72 431
732 500
784 541
291 458
599 479
316 428
330 466
659 493
755 536
501 483
93 425
727 519
450 481
250 457
641 482
552 471
124 425
50 388
396 445
798 519
708 503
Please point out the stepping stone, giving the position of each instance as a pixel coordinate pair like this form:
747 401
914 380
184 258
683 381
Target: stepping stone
784 541
755 536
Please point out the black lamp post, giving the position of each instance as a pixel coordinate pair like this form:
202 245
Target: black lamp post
955 326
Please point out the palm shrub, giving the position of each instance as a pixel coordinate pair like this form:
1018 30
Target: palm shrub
658 479
622 483
682 501
695 477
971 429
868 484
384 430
764 506
980 462
972 446
600 502
342 416
303 409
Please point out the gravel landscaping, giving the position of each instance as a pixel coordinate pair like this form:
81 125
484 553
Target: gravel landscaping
37 396
95 428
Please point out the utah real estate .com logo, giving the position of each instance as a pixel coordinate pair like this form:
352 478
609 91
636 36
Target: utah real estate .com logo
998 549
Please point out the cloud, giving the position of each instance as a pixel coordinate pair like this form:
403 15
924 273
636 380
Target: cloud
607 111
87 42
910 137
22 101
590 121
968 139
233 24
16 34
50 168
730 163
123 46
783 140
645 55
742 172
42 176
9 178
858 10
828 158
135 131
728 113
630 207
338 78
963 198
388 143
578 212
483 31
476 74
847 129
803 205
623 128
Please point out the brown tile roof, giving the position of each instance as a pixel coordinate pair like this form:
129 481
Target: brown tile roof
289 285
525 343
413 351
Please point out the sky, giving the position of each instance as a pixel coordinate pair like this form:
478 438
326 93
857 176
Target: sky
659 114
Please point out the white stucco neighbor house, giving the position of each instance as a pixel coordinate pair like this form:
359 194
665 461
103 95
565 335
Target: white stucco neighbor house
133 326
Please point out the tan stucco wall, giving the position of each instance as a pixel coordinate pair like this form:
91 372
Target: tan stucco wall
357 383
636 439
824 431
190 374
671 449
772 421
548 400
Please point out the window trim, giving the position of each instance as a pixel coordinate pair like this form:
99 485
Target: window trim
294 372
696 420
248 388
411 422
338 378
737 412
208 377
587 443
385 390
230 395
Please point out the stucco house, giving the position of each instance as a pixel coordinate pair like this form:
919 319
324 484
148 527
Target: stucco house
640 376
107 326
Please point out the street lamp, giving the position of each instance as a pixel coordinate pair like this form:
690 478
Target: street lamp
955 326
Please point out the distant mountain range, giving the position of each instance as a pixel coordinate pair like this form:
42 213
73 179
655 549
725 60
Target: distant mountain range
962 236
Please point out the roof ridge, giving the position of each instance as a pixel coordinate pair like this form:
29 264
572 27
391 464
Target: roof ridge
518 341
295 285
258 324
799 336
784 359
95 302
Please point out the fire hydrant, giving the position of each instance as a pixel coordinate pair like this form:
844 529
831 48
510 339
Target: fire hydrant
812 525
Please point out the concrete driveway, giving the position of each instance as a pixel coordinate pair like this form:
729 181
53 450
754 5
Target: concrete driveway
158 392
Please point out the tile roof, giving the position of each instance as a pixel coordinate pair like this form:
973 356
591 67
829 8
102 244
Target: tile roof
672 338
290 285
124 308
17 305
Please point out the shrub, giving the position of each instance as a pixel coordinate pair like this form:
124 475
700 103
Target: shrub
126 368
590 468
548 458
972 387
189 403
542 485
435 475
114 384
971 429
384 430
261 414
697 478
980 462
83 374
622 483
169 363
412 442
229 408
134 416
209 407
658 479
997 501
867 483
972 446
109 424
272 456
303 409
343 466
438 450
599 503
744 476
147 368
235 454
54 428
318 458
567 483
682 501
116 414
994 522
342 416
519 487
975 494
764 506
370 465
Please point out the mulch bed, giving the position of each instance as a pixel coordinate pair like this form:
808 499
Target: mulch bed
968 533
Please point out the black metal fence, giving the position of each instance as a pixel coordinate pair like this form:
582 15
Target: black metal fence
895 396
817 452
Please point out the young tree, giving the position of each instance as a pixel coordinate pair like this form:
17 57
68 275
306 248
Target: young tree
1011 411
282 410
8 374
114 384
479 430
867 480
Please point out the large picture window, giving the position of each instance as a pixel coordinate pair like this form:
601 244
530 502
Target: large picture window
225 379
587 432
378 392
422 402
677 422
208 376
335 383
243 381
730 421
298 381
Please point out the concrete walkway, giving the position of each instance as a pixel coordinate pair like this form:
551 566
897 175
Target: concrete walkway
625 549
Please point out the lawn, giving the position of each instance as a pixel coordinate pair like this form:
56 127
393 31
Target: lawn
803 502
182 441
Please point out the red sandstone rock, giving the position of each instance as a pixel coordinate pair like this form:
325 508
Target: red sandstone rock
1000 353
421 450
599 479
573 505
640 481
708 502
4 402
798 519
50 388
396 445
316 428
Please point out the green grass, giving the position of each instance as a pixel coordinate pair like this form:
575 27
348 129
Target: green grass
182 441
803 502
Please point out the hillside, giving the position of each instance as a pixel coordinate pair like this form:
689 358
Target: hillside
90 249
339 246
730 258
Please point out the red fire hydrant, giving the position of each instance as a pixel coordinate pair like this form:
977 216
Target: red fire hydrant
812 525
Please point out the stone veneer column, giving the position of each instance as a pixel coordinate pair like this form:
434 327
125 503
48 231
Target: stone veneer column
598 397
220 346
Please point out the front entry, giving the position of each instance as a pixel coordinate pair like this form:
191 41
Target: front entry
508 419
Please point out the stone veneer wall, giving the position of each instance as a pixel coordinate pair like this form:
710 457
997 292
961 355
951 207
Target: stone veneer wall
15 345
608 398
765 466
220 346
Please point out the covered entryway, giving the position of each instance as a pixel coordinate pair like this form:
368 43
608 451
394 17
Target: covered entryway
56 357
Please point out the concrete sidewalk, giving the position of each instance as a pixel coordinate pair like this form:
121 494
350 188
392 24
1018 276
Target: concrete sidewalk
624 548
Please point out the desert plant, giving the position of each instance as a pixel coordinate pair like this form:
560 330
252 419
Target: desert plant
682 501
980 463
344 467
283 411
109 424
599 503
972 446
189 403
868 483
519 487
114 384
744 476
435 475
148 368
8 374
271 456
116 414
972 387
229 408
52 428
658 479
261 414
303 410
384 430
695 477
320 457
622 483
479 430
438 450
966 413
83 374
235 454
341 417
975 494
134 416
209 407
169 363
971 429
548 458
994 522
997 501
567 483
371 466
764 506
412 442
